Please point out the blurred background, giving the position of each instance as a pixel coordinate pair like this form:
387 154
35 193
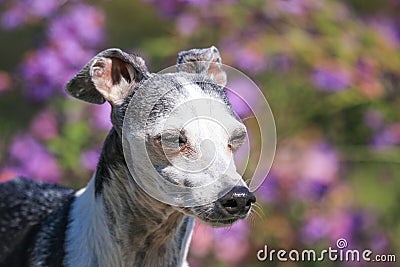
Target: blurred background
330 71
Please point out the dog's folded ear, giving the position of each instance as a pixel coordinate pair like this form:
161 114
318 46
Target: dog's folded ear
110 76
203 61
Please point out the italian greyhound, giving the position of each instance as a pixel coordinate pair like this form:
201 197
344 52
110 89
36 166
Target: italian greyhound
114 221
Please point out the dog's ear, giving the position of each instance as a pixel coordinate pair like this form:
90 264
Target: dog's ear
204 61
110 76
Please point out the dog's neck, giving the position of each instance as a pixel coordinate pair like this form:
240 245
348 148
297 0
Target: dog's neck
123 225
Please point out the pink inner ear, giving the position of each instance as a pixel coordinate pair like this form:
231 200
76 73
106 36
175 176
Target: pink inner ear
101 68
216 73
101 76
106 75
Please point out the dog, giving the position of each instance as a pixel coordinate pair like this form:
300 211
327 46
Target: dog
128 215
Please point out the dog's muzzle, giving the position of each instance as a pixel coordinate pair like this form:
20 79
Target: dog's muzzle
238 201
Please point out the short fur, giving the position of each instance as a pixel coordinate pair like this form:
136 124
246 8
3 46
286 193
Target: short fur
113 222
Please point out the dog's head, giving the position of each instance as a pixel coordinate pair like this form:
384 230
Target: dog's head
181 123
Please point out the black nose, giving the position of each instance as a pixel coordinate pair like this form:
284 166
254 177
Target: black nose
238 201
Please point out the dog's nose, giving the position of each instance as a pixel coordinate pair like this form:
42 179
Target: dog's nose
238 201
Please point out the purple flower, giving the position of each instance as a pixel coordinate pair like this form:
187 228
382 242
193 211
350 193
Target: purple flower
366 70
90 158
379 243
320 163
44 125
350 225
231 244
73 55
249 56
167 8
315 229
340 228
295 7
70 40
14 16
242 95
43 71
279 62
313 190
239 230
80 22
100 116
373 119
239 105
34 159
268 190
202 240
331 79
186 24
43 167
250 60
198 2
23 147
359 222
42 8
389 136
25 11
388 30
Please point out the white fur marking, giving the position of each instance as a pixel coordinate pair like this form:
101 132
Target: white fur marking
80 192
88 240
186 242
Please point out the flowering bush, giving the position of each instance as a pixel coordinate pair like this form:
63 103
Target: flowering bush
329 69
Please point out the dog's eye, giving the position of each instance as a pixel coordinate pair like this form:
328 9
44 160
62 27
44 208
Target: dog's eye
172 139
169 139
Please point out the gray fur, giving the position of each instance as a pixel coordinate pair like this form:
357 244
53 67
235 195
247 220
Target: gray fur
206 61
113 222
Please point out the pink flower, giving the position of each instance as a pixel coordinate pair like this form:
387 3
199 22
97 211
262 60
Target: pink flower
100 116
373 119
295 7
42 8
14 16
5 81
186 24
90 158
387 137
243 96
315 228
202 240
231 244
269 190
251 60
44 125
8 173
320 163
